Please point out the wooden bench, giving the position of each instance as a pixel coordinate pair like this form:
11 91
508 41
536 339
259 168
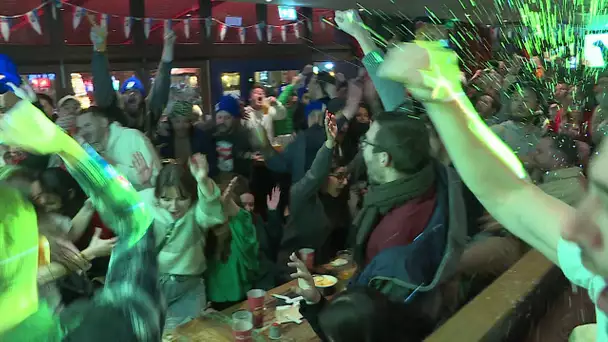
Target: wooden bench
506 309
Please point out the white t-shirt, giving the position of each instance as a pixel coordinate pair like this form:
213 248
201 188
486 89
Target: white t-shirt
569 257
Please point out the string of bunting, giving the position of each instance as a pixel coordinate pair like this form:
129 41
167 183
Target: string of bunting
79 13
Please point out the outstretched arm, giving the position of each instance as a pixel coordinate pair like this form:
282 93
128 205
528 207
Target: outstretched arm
392 93
487 166
159 96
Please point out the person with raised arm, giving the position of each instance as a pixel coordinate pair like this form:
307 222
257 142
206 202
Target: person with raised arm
129 307
134 109
573 238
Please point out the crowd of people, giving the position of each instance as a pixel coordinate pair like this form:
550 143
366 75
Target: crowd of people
134 216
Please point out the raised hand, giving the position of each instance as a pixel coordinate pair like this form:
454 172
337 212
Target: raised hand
349 22
170 38
144 171
272 200
306 283
331 129
98 35
25 126
66 122
231 209
25 92
199 167
99 247
169 43
431 74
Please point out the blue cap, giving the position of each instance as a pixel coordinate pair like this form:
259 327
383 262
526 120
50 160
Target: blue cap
313 106
229 104
8 73
133 83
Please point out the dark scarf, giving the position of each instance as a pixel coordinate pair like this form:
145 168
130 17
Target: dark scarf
380 199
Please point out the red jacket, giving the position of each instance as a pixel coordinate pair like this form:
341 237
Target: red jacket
401 225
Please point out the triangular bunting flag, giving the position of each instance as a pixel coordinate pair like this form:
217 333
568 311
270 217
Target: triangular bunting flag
79 13
103 20
32 17
126 25
269 33
258 30
242 34
223 30
296 30
147 26
167 26
5 28
208 24
187 28
284 33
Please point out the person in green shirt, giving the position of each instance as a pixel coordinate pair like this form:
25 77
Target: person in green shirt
229 280
289 98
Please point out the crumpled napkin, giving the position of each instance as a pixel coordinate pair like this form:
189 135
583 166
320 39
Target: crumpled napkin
288 314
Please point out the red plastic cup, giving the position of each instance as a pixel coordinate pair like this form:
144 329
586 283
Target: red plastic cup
307 255
242 326
255 301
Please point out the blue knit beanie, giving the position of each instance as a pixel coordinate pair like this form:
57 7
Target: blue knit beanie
8 73
133 83
229 104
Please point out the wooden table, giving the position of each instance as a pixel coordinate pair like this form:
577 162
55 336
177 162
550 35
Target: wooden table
203 329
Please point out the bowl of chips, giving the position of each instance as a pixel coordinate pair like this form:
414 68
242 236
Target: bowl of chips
326 284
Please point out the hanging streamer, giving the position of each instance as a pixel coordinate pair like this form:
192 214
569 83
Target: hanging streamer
147 26
223 30
5 28
258 31
79 13
208 24
103 20
187 28
309 23
167 25
242 34
296 30
284 33
322 22
127 25
269 33
34 20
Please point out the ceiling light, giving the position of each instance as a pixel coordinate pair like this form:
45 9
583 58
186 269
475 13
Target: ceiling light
268 0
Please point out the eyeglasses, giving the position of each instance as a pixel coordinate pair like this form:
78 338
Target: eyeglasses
364 142
340 176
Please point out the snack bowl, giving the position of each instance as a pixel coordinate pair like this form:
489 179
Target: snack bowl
326 284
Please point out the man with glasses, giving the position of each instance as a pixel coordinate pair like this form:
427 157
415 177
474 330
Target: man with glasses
572 238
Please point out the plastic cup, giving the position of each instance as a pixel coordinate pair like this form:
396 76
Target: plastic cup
307 255
242 326
255 301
